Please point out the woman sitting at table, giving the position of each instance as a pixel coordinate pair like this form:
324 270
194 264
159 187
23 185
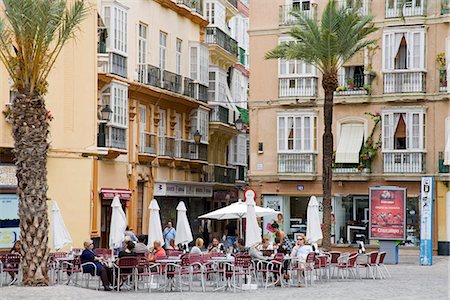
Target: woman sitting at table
88 255
156 251
265 245
198 245
172 245
129 250
301 250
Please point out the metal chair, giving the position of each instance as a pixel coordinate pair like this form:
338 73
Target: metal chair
126 266
10 263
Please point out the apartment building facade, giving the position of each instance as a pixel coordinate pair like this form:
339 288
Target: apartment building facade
163 71
394 95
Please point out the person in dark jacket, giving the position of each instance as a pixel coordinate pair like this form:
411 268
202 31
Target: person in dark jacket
89 256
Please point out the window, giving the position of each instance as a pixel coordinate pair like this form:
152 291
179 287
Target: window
178 56
142 118
297 132
9 218
162 50
116 22
215 13
162 123
403 129
142 44
199 62
200 121
218 85
238 150
178 126
404 49
116 96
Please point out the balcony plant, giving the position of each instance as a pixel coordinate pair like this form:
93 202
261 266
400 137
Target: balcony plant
440 59
350 83
341 88
370 148
7 113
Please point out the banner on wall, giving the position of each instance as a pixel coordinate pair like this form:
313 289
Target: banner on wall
9 220
387 208
426 221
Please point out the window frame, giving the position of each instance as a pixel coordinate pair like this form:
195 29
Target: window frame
313 115
117 39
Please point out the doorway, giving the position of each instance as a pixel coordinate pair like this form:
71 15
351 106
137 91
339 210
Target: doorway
106 221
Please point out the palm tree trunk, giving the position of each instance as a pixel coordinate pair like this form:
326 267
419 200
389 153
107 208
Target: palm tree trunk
329 84
30 130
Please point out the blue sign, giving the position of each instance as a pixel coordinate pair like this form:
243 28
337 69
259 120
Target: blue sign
426 221
300 187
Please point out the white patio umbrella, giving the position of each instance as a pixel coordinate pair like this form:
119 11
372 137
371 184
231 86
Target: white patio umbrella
238 210
154 225
118 224
61 235
184 233
313 229
252 230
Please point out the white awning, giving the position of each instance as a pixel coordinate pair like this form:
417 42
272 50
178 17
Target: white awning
350 142
447 152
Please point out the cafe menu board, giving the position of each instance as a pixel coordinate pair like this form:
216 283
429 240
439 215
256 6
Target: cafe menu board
387 207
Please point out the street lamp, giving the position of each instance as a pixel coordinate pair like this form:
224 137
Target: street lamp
197 137
239 124
105 115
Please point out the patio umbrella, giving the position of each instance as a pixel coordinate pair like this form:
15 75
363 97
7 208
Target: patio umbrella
184 233
154 225
118 224
61 235
313 229
252 230
238 210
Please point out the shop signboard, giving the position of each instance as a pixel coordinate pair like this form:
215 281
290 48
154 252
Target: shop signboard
9 220
426 221
387 208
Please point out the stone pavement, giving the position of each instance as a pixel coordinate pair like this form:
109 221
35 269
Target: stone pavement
409 281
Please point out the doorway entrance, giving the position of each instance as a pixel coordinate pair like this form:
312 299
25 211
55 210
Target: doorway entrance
106 221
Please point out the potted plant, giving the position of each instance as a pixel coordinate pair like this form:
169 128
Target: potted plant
350 83
370 148
341 89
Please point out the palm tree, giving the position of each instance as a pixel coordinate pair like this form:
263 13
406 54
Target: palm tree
341 33
32 34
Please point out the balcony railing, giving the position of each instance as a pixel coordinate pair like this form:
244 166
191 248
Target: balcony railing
241 173
404 82
117 64
220 174
219 114
171 82
215 35
147 143
351 85
350 169
166 146
233 2
116 137
287 19
405 8
297 87
195 90
304 163
361 6
445 7
443 80
148 74
194 5
403 162
443 168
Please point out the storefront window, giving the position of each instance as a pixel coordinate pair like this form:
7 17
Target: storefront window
299 206
9 220
412 222
351 219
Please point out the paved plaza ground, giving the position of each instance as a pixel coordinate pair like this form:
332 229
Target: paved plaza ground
409 281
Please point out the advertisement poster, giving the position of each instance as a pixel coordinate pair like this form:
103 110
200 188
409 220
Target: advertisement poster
9 220
426 218
387 213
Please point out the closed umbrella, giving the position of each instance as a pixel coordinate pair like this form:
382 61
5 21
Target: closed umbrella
61 235
252 230
118 224
313 229
184 233
154 225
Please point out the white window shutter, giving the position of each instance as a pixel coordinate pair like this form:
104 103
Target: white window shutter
281 133
387 132
387 45
447 59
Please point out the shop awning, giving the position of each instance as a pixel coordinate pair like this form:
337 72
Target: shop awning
109 193
447 152
350 142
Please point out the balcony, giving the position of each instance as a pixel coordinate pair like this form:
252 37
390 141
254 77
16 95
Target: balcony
347 169
297 87
404 81
363 7
241 173
443 81
443 168
219 114
147 143
215 35
304 163
403 162
445 7
194 5
190 150
286 19
405 8
166 146
351 86
150 75
195 90
220 174
171 82
233 3
115 138
117 64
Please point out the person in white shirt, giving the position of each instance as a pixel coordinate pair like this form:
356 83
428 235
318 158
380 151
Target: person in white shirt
198 245
301 250
265 245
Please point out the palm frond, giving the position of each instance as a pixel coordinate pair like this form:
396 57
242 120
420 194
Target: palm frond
32 35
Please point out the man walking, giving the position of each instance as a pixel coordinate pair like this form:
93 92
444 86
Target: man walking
168 234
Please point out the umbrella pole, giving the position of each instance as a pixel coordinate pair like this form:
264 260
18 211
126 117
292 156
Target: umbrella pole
240 225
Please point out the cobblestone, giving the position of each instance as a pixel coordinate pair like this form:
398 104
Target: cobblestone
409 281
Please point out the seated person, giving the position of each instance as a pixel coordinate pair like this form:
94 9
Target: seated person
215 246
198 245
140 246
156 251
172 245
265 245
301 250
128 251
240 246
255 253
88 255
